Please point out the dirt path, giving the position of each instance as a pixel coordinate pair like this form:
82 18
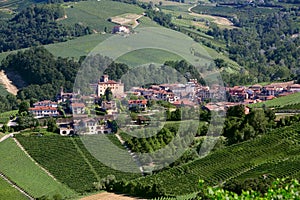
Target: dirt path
135 158
108 196
6 137
8 84
62 18
218 20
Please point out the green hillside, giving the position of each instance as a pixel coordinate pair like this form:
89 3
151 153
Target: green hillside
95 14
8 192
275 154
69 161
26 174
279 102
145 56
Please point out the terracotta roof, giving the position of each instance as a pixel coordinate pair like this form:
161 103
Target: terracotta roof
137 101
77 105
184 102
41 108
108 82
295 86
256 86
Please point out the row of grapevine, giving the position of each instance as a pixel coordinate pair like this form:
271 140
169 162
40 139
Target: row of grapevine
61 157
271 151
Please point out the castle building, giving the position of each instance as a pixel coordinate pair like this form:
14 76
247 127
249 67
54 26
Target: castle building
117 88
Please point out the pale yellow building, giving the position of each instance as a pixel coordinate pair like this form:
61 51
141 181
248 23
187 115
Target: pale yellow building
117 88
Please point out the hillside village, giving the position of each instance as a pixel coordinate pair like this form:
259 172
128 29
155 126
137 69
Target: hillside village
82 117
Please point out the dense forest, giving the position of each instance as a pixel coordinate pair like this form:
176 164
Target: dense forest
37 25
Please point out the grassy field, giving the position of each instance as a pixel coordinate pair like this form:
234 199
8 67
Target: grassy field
279 102
144 56
95 14
73 48
248 159
4 117
8 192
156 38
27 175
17 4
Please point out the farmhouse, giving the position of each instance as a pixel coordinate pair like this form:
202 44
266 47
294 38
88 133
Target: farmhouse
139 104
77 108
45 108
44 111
45 103
117 88
120 29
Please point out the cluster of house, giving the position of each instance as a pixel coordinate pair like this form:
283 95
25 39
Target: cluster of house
189 94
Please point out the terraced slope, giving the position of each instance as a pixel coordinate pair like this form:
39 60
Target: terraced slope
69 161
276 154
19 168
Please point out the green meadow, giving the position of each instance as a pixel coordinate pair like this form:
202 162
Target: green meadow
95 14
144 56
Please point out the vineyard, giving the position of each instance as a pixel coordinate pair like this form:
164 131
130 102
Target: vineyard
285 102
68 160
18 167
275 154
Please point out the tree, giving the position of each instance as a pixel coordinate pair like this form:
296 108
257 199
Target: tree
108 94
24 107
257 120
236 111
51 125
113 125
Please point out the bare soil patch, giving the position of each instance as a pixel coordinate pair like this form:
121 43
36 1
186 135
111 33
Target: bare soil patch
108 196
126 19
200 25
218 20
7 83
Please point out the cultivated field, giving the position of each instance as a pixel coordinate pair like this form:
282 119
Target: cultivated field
251 158
26 174
8 192
69 161
95 14
144 56
279 102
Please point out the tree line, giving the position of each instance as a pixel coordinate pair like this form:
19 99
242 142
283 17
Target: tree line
37 25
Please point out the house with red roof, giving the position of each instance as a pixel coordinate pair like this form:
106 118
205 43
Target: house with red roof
44 111
77 108
140 104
